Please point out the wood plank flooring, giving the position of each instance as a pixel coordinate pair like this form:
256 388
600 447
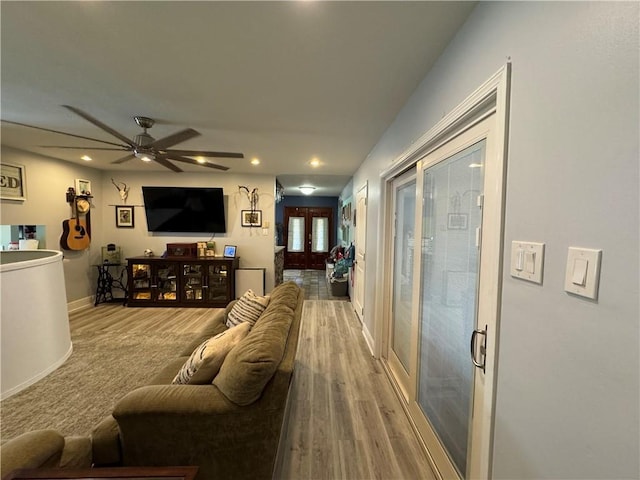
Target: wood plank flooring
345 420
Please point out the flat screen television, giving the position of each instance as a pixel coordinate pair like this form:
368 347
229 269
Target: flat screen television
184 209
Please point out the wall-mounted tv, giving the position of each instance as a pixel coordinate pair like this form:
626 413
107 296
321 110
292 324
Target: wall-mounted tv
184 209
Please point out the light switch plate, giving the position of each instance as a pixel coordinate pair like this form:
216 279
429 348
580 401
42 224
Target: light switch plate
577 281
527 261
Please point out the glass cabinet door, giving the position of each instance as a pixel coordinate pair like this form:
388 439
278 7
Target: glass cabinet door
193 285
141 281
218 282
166 282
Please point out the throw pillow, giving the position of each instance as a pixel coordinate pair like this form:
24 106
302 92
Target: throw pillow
205 361
248 308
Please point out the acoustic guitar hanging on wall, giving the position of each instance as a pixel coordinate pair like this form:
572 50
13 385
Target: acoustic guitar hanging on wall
75 235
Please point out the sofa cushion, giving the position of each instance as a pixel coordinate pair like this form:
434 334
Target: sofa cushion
214 326
105 443
248 308
39 448
77 452
250 366
205 361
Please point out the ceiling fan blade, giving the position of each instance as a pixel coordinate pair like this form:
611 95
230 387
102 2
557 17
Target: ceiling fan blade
165 163
63 133
178 158
178 137
87 148
124 159
99 124
202 153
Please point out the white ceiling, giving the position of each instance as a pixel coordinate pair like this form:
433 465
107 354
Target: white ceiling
281 81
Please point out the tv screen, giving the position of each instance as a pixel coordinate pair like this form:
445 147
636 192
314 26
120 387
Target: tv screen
184 209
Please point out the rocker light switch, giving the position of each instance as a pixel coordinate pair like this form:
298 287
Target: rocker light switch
580 267
527 260
530 262
582 276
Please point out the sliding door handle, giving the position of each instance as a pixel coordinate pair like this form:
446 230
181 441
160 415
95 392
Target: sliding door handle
483 348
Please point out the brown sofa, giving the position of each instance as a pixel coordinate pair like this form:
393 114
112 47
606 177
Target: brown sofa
230 429
42 449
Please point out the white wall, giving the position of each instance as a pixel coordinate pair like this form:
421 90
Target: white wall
568 369
47 181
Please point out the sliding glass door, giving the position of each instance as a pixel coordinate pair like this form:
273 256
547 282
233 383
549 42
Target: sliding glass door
444 266
451 217
404 208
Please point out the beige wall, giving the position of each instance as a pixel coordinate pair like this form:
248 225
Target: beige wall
47 181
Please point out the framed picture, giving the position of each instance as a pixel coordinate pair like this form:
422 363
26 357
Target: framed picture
83 187
251 218
12 182
229 251
457 221
124 216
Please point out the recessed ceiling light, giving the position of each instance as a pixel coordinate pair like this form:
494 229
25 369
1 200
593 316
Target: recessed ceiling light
255 161
307 190
86 158
314 162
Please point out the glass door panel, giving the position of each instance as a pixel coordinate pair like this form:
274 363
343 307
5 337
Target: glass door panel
217 282
320 235
141 281
295 242
405 208
451 219
166 285
192 281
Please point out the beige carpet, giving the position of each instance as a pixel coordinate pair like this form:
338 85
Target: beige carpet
104 366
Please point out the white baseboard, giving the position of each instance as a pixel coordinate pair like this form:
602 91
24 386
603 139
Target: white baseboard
81 303
368 338
39 376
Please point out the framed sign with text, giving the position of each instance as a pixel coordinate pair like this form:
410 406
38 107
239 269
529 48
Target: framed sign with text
12 182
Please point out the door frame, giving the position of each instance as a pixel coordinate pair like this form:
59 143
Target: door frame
402 377
360 269
491 98
308 213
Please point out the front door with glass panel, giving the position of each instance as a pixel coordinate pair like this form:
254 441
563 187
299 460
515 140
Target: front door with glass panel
307 231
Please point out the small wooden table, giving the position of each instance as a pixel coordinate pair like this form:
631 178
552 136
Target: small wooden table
116 473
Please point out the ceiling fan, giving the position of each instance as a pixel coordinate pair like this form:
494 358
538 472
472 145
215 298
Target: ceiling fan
143 145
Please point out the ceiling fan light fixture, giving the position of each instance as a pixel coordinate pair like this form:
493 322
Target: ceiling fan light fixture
306 190
144 156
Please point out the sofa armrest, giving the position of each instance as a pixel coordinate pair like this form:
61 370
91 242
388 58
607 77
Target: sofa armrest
40 448
195 425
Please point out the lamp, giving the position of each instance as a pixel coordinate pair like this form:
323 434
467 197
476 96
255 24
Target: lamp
307 190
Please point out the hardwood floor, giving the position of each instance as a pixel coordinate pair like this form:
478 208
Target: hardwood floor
345 420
